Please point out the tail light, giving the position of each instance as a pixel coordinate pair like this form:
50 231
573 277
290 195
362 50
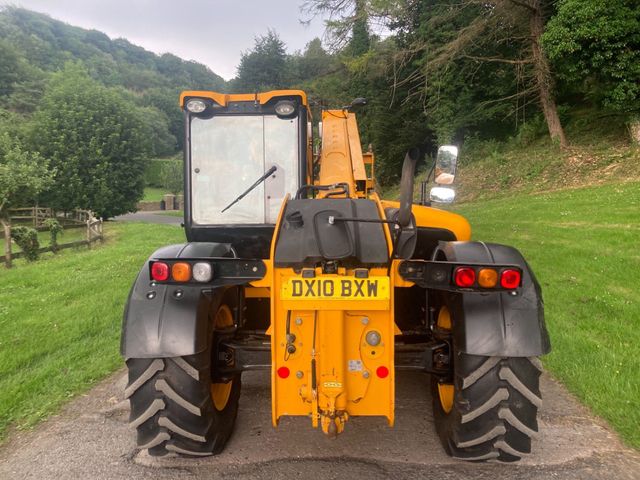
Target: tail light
464 277
510 279
159 271
181 272
487 277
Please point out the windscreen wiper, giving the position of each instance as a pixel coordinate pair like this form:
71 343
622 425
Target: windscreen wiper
246 192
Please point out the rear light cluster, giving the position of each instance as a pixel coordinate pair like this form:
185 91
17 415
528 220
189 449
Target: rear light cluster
181 272
484 277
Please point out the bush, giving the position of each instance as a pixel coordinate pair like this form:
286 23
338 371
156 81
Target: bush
55 229
27 240
153 172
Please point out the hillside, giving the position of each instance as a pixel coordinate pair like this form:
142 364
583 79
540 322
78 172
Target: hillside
599 152
33 46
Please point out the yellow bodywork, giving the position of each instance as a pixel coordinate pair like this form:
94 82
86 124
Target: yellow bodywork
323 367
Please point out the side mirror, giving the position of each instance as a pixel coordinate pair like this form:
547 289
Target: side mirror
357 103
406 186
442 195
445 168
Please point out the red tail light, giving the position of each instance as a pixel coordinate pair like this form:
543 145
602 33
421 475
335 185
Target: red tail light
283 372
464 277
382 372
510 279
159 271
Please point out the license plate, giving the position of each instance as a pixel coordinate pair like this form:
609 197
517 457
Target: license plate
336 288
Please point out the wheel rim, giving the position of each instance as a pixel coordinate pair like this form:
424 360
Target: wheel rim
220 392
445 390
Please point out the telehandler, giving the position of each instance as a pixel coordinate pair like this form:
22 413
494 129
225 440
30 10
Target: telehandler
293 264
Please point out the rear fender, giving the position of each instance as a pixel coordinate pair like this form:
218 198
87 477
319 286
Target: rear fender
509 324
170 320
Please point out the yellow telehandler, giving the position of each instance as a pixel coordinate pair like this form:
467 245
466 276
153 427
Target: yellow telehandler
293 264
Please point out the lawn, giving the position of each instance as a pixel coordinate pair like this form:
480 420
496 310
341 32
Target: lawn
584 246
60 320
153 194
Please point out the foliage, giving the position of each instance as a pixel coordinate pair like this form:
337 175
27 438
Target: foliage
96 142
595 46
23 175
55 229
33 46
172 175
154 169
27 240
262 68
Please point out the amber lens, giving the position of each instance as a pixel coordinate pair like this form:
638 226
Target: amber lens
487 278
181 272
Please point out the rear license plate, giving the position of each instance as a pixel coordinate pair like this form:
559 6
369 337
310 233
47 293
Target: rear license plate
336 288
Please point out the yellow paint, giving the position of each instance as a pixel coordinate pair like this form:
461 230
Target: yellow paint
444 318
446 391
335 162
220 392
346 380
223 98
435 218
355 149
253 292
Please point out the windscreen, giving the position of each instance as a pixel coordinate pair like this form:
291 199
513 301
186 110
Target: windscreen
228 154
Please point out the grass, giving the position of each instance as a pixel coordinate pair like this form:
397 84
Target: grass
172 213
153 194
583 246
60 320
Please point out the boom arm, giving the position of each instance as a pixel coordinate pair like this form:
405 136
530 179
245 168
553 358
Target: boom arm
341 159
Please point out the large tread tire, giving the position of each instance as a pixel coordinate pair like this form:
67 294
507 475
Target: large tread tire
495 405
172 409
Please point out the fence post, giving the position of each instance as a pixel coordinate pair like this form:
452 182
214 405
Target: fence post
7 242
89 234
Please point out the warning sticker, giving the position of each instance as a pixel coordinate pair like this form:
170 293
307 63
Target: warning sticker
355 365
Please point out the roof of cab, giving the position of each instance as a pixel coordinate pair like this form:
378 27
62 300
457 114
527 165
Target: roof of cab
223 98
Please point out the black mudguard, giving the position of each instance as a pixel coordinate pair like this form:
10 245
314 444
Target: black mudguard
496 324
170 320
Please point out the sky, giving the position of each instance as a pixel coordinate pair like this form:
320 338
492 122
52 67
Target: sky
212 32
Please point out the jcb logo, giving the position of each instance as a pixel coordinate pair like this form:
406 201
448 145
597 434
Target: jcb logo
334 288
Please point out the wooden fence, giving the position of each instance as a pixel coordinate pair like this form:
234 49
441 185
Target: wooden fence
36 217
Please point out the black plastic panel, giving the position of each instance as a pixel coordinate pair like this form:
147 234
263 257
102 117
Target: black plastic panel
496 324
316 240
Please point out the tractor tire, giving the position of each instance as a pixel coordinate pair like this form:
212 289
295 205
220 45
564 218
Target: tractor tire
490 410
176 408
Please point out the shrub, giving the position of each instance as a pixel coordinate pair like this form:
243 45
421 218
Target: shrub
55 229
27 240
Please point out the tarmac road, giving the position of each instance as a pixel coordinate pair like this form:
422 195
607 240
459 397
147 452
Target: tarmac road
150 217
90 439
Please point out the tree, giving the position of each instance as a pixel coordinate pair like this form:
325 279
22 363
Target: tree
595 46
95 140
264 67
23 175
172 176
442 45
